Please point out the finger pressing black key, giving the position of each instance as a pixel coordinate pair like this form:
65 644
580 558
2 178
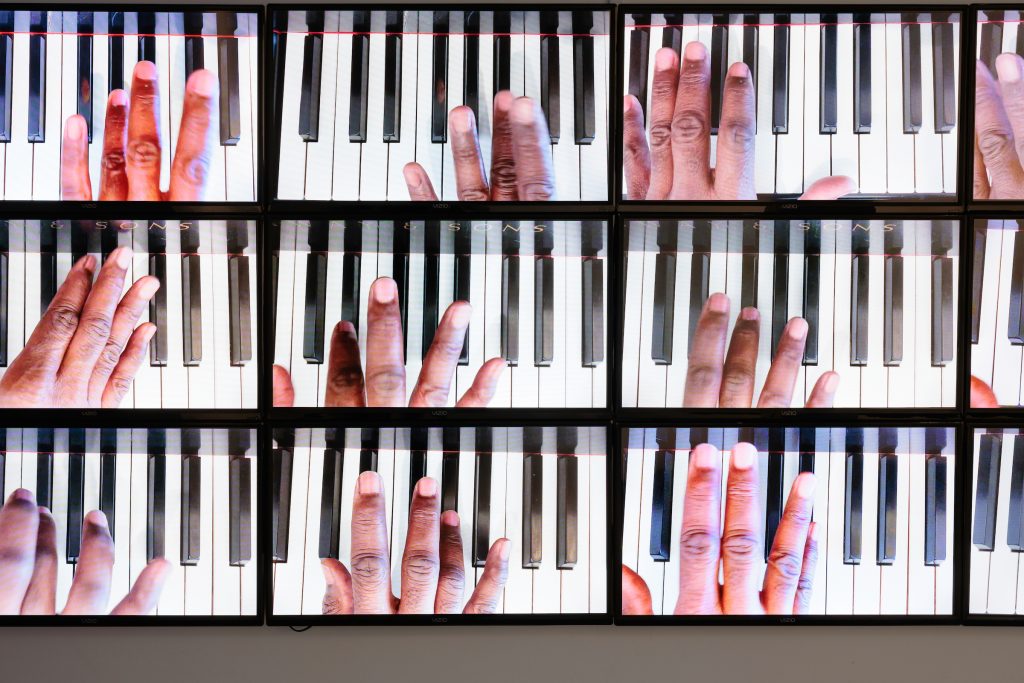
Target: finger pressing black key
360 83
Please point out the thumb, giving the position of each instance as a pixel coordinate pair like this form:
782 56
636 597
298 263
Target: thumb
284 392
636 596
982 395
338 596
832 187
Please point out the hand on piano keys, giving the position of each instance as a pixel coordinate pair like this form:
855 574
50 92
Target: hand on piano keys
520 165
29 558
132 143
726 380
708 552
383 382
982 395
86 348
999 107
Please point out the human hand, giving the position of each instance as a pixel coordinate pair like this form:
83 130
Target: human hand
999 129
982 395
716 379
383 384
520 156
28 565
132 146
433 577
704 547
676 162
86 349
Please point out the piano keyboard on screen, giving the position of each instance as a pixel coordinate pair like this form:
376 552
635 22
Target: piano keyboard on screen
362 93
538 291
543 488
869 96
997 312
57 64
203 353
187 495
883 503
879 297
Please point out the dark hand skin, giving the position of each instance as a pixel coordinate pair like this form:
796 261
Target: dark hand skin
132 145
383 383
715 378
86 349
676 162
705 546
520 156
999 129
433 578
28 565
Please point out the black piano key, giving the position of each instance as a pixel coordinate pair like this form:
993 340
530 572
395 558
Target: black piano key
888 485
719 66
431 283
828 103
672 34
663 319
550 77
859 293
439 103
44 467
239 498
115 51
400 274
943 79
191 497
85 90
393 75
910 33
191 298
6 73
977 278
463 270
360 83
699 435
935 508
351 269
853 496
315 313
312 71
239 304
147 36
544 298
986 498
369 446
991 38
1015 514
751 26
774 489
502 77
780 71
812 290
862 73
108 477
661 498
330 496
451 447
194 58
700 275
156 493
37 78
943 315
510 295
748 269
593 293
584 107
76 494
639 56
808 447
108 243
1015 326
780 282
281 461
533 499
567 497
482 496
228 75
418 441
4 289
47 262
892 341
157 246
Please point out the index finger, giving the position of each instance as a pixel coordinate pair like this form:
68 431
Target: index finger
786 559
993 131
420 558
439 364
778 385
19 524
143 149
700 535
470 178
74 161
90 588
190 167
371 573
704 370
385 363
531 147
734 164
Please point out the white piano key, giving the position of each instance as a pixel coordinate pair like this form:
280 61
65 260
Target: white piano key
927 143
894 577
499 502
292 153
899 152
569 326
59 500
823 475
286 255
789 176
18 183
873 375
1003 563
288 575
313 583
765 301
401 500
174 377
467 486
163 66
132 447
227 384
46 155
920 578
250 369
350 481
485 81
172 598
1007 357
373 171
304 374
650 570
849 390
944 572
632 359
575 589
764 138
599 522
566 155
478 288
226 579
333 305
240 186
949 140
671 379
546 580
414 316
503 394
817 151
633 493
866 575
367 276
402 152
874 168
319 155
428 154
519 585
202 383
199 577
250 572
840 576
121 528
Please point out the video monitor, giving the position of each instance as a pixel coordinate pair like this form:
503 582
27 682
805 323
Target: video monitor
461 313
509 522
130 523
128 313
816 312
129 105
743 104
423 104
788 523
997 314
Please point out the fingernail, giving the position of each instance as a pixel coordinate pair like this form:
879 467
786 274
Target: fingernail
23 495
750 313
118 98
524 110
426 487
369 484
832 383
706 457
203 83
123 257
145 71
461 315
739 70
148 334
76 128
450 518
506 550
384 290
97 519
718 303
695 51
1008 68
664 59
797 329
462 121
805 485
88 262
627 104
149 287
743 456
347 329
412 176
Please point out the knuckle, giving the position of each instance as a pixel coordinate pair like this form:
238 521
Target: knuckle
454 580
370 568
194 169
420 566
786 563
96 328
689 126
113 162
799 515
346 378
503 171
735 380
465 154
64 319
697 543
434 394
741 546
13 556
109 357
144 153
120 386
661 135
994 142
387 380
772 397
740 132
474 194
702 375
538 190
